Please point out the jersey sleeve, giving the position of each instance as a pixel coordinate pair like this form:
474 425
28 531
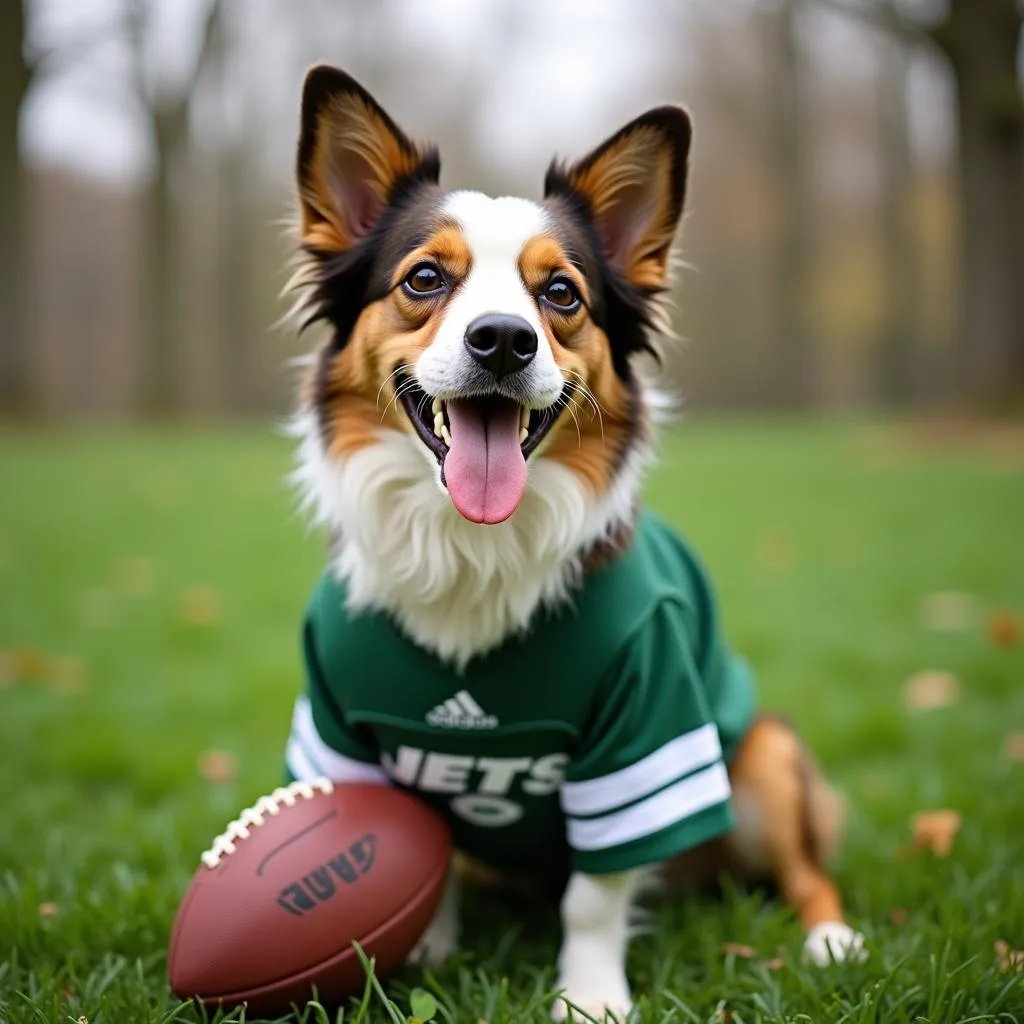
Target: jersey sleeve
649 780
321 742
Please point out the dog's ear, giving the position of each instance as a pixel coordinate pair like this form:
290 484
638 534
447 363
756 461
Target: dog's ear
633 186
352 160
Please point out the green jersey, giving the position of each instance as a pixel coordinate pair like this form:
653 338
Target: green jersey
597 741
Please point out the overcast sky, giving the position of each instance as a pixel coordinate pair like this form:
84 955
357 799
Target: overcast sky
554 74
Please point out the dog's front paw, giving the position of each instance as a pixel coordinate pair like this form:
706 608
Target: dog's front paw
599 995
439 941
833 941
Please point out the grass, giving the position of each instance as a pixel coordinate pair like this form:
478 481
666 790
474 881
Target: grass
152 587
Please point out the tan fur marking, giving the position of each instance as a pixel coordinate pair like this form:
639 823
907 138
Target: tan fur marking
447 247
769 780
626 165
357 404
347 125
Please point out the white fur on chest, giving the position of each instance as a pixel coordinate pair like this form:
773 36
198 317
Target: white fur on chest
456 588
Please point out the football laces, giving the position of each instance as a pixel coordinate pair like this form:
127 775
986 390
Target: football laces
267 806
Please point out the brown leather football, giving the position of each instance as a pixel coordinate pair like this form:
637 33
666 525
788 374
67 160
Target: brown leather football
281 896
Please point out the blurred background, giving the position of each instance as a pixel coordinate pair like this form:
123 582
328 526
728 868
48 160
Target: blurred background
855 224
850 465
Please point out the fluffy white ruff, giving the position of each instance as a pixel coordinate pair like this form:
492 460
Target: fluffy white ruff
456 588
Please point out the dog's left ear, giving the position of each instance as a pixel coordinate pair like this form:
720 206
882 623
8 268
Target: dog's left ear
352 160
633 186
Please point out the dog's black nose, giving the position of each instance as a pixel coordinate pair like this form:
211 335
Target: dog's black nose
501 343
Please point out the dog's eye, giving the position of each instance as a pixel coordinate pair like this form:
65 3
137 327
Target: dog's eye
562 293
424 279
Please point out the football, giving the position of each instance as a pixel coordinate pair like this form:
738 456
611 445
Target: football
282 894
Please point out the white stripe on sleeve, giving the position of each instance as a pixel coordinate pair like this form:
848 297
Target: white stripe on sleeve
316 755
675 759
686 798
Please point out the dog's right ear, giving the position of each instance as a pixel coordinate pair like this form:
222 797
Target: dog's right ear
352 161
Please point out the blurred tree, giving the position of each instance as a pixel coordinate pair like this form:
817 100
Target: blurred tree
788 154
981 41
899 344
15 347
167 107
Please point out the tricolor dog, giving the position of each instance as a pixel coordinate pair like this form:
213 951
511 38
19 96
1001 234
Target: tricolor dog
502 628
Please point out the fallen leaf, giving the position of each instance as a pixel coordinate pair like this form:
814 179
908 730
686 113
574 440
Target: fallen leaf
898 916
133 577
1008 959
29 663
950 612
931 689
48 910
199 606
722 1015
1004 629
775 551
935 831
1014 746
217 766
66 675
96 608
739 950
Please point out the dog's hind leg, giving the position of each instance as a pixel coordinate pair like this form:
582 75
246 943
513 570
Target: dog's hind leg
788 823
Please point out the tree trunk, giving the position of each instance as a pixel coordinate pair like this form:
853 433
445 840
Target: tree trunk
981 38
162 343
792 368
15 344
898 355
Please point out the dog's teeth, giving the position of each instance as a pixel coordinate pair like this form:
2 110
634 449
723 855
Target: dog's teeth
446 434
438 422
524 419
523 434
437 408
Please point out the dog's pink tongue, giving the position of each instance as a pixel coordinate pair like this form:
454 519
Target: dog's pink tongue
485 470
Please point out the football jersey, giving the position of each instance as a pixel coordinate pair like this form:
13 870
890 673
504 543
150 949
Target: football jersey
597 741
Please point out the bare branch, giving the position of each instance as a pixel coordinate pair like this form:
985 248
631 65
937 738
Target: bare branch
884 17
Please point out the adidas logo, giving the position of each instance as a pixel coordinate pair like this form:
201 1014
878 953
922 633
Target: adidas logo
461 712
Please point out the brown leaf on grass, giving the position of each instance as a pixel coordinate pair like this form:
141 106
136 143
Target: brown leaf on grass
775 552
898 916
217 766
66 675
1007 958
949 612
199 606
133 577
28 663
931 689
48 910
1014 747
722 1015
775 964
935 831
96 607
739 950
1004 628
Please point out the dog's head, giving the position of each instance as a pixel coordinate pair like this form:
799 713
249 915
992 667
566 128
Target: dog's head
493 331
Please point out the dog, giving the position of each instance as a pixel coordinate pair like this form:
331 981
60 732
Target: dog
502 629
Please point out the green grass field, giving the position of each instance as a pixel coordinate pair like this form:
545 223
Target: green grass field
152 587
